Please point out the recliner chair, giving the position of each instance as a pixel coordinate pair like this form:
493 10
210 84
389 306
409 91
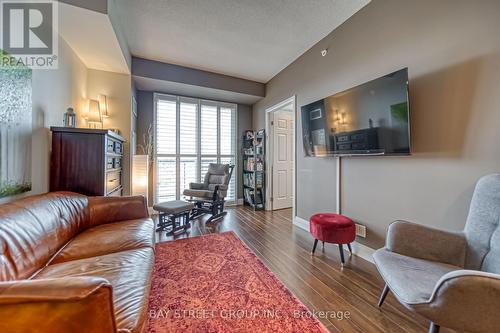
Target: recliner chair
451 278
209 196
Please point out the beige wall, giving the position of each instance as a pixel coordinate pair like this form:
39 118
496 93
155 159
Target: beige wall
53 91
117 87
452 50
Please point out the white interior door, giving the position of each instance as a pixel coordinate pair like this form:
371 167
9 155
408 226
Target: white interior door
282 159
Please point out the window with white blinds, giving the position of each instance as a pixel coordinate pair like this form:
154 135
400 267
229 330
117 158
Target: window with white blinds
190 134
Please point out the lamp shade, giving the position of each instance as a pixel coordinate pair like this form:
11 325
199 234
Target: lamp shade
140 172
103 106
94 112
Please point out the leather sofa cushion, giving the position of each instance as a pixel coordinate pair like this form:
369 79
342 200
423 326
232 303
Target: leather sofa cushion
129 273
33 229
108 238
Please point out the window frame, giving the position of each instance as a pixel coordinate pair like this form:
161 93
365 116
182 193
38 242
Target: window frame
199 156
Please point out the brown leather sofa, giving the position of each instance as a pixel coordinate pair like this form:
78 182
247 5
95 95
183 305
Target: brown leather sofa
71 263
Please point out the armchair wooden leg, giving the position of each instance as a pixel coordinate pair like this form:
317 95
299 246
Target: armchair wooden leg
434 328
314 246
385 291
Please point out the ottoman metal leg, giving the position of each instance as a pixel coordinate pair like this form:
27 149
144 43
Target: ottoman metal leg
434 328
314 246
341 249
349 247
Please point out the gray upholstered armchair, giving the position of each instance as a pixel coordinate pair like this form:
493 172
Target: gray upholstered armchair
209 196
451 278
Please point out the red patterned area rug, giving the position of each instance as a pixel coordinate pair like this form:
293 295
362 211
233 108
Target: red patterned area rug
215 283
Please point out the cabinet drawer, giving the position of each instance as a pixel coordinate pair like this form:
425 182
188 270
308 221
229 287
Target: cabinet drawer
110 163
113 162
117 193
110 146
113 180
118 147
114 146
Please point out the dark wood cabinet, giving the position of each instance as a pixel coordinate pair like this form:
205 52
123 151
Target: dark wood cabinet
86 161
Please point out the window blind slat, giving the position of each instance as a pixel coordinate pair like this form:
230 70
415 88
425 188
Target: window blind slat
208 129
198 134
188 128
165 126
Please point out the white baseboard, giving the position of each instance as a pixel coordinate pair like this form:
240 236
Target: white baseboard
238 202
358 249
363 251
301 223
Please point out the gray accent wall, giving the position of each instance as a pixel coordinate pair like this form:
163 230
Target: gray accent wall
145 110
244 123
145 114
186 75
452 50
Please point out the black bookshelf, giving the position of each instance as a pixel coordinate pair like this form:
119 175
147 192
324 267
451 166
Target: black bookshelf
254 157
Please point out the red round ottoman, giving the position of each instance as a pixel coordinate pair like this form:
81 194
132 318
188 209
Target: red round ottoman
332 228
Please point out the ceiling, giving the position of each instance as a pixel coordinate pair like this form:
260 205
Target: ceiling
91 35
251 39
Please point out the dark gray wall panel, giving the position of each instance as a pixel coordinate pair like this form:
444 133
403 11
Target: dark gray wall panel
169 72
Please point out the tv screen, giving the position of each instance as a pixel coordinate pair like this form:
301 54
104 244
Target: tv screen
370 119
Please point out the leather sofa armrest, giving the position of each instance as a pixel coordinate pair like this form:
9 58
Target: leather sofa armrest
114 209
465 300
419 241
76 304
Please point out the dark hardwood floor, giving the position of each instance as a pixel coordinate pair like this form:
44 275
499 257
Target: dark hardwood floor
318 281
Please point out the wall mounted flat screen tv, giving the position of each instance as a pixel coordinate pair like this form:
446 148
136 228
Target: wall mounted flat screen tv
370 119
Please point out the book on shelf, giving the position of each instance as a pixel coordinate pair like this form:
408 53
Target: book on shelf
249 164
259 166
253 151
248 151
249 195
258 180
249 179
249 135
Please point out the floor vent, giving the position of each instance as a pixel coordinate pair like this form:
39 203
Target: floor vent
360 230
